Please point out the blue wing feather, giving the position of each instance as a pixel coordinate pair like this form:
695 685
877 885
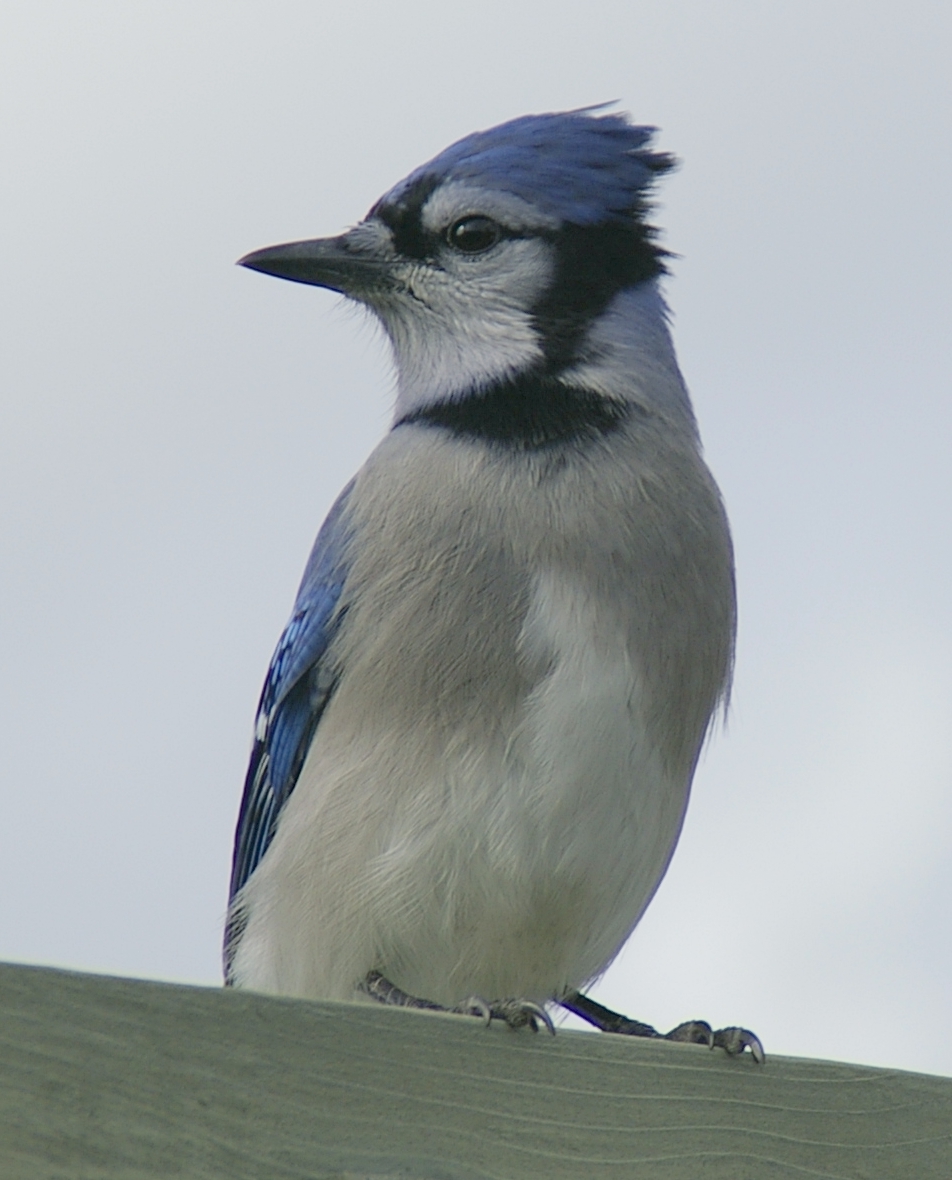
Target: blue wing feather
296 691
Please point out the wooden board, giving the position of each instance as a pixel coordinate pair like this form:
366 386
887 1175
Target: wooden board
106 1078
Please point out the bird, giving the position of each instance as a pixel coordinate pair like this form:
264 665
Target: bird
476 740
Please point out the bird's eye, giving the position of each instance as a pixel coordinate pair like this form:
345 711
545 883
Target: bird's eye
472 235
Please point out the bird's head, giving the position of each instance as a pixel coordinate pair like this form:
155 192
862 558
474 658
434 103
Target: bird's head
496 257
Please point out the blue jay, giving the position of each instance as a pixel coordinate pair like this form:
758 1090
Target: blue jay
476 739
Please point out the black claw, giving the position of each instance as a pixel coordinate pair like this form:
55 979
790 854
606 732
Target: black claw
523 1013
735 1040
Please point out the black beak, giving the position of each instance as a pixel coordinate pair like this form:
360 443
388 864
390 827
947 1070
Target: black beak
340 264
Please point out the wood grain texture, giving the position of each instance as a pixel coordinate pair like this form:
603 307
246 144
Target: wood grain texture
113 1078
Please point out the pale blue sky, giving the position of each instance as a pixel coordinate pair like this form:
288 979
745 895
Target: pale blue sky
175 428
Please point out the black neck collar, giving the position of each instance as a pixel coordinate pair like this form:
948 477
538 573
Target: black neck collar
528 413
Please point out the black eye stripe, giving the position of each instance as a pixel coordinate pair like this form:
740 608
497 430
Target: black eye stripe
402 218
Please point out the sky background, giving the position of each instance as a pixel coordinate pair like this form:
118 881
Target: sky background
174 429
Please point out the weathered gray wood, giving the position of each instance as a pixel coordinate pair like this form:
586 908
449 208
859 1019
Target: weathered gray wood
108 1078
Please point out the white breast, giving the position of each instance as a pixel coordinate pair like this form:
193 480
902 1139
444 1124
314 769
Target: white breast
510 867
606 814
531 656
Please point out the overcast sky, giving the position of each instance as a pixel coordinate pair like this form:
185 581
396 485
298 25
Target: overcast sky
175 428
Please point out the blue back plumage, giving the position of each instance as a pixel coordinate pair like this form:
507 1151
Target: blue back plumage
580 167
298 686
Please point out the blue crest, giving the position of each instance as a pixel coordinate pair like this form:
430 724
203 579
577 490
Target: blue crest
581 167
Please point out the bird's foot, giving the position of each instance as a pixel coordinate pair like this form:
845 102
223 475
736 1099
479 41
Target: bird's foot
516 1013
735 1040
522 1014
696 1032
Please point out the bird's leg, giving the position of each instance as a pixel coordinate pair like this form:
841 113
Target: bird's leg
605 1019
516 1013
732 1040
380 988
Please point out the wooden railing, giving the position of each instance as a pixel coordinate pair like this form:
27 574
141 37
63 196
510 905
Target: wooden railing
106 1078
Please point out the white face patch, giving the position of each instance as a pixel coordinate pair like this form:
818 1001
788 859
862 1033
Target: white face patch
465 320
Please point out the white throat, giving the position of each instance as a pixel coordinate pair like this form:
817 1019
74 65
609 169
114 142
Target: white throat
454 332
